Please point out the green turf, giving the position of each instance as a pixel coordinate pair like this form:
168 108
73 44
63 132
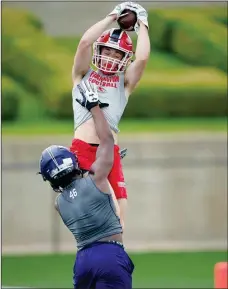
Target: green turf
152 270
126 126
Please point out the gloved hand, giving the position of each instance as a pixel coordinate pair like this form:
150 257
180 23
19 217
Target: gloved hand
141 13
119 9
89 96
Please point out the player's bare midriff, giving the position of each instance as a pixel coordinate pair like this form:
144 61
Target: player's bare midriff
117 238
87 133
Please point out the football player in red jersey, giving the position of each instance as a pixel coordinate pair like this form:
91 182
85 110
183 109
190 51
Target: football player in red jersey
115 77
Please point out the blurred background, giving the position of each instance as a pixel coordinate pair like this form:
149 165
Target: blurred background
174 127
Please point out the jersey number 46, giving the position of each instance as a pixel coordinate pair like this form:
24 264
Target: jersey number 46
73 193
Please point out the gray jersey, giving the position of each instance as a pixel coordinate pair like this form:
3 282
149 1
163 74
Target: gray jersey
111 90
87 212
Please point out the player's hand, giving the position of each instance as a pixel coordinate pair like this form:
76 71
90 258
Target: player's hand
141 13
89 95
119 9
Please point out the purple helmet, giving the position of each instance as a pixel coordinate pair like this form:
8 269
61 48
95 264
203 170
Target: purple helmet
58 164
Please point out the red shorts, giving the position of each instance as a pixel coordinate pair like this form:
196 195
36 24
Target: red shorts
86 155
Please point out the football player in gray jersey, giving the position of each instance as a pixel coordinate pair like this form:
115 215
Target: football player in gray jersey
115 76
86 206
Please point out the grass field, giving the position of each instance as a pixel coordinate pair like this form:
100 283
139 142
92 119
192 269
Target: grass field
152 270
126 126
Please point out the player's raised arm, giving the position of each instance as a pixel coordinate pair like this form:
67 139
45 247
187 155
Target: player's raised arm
105 152
136 68
83 54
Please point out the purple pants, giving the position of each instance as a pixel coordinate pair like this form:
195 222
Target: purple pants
103 265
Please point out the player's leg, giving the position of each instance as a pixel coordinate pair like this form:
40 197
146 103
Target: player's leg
122 281
123 208
103 265
115 202
83 276
116 269
116 179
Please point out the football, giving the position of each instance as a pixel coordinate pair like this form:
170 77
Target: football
128 21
